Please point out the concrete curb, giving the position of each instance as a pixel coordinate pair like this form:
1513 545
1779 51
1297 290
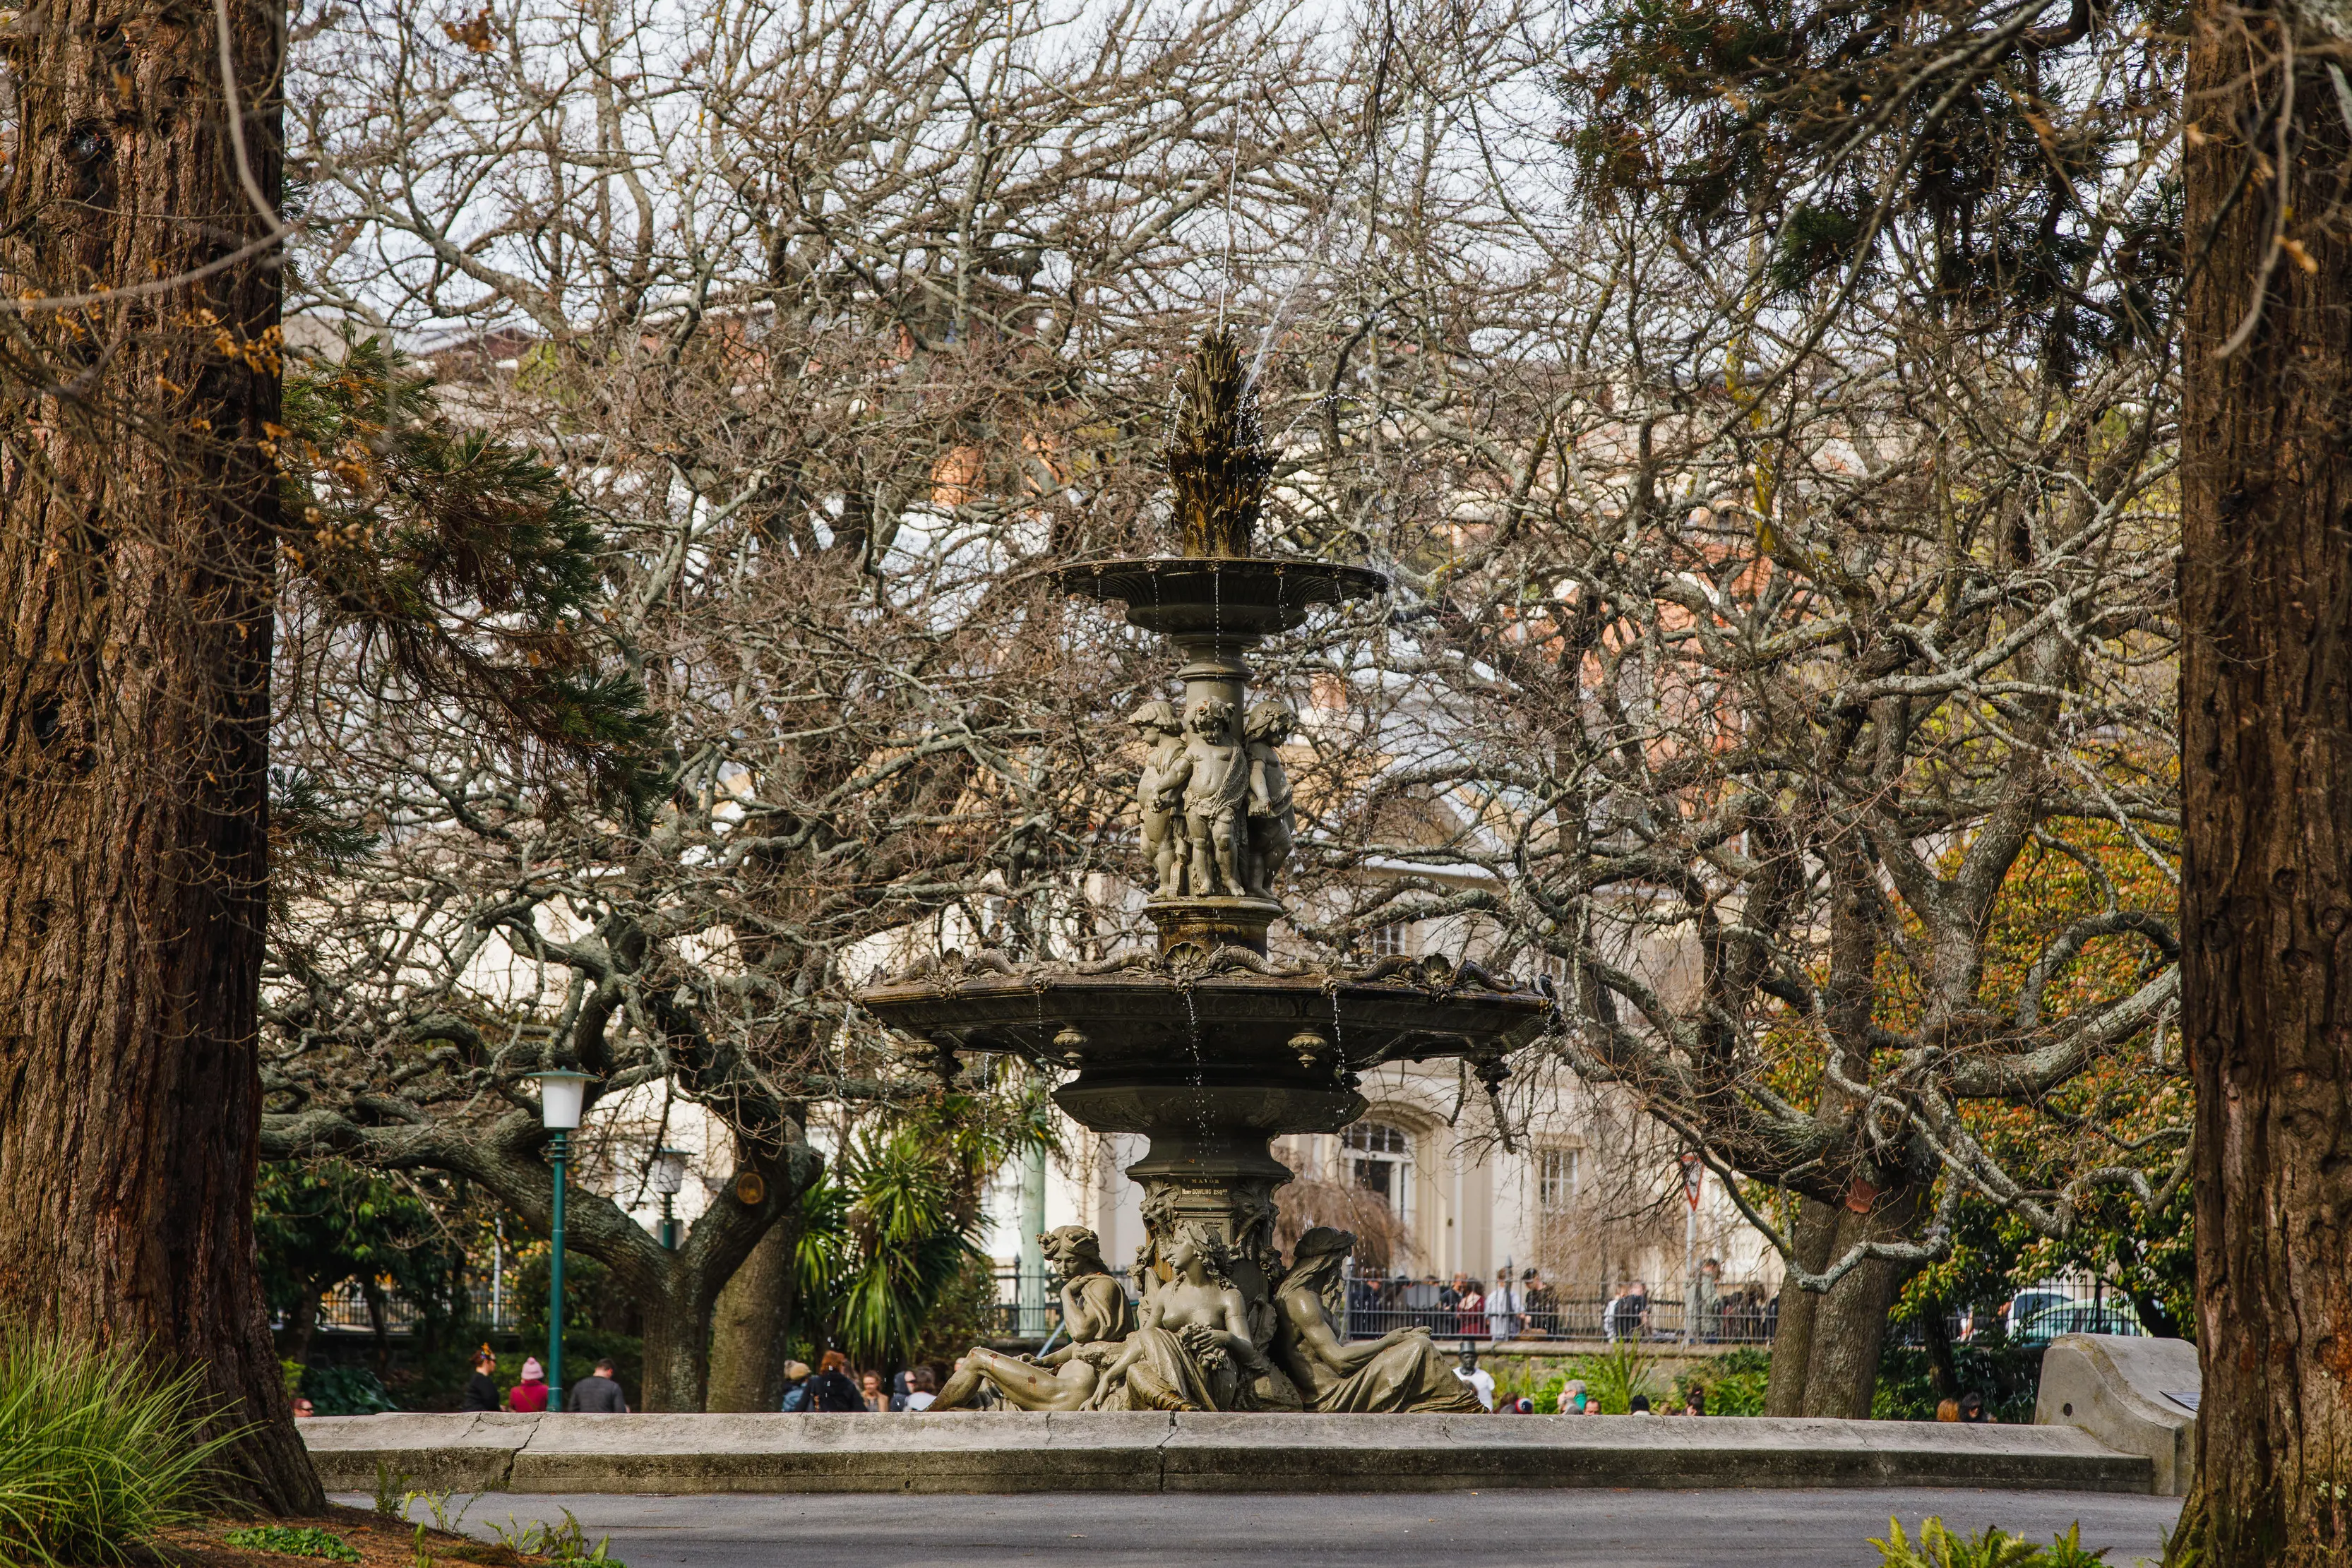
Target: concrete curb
1148 1452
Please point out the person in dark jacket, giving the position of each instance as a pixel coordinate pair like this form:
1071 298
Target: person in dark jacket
482 1388
833 1389
598 1394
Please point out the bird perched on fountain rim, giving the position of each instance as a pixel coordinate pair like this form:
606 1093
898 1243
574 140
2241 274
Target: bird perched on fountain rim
1217 464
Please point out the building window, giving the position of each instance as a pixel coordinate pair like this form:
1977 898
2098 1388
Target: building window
1379 1160
1392 940
1555 1179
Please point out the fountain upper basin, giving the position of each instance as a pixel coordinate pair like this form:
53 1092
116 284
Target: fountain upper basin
1234 1021
1244 597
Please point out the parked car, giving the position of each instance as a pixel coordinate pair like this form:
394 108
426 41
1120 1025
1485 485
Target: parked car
2026 1304
2077 1317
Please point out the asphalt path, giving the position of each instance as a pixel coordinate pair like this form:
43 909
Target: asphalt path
1508 1529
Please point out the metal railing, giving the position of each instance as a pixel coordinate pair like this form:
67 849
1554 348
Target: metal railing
1028 1303
345 1310
1379 1307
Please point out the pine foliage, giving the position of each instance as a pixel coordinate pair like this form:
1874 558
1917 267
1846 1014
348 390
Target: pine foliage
464 564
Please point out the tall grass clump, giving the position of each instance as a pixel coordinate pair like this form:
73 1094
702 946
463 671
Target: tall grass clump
97 1449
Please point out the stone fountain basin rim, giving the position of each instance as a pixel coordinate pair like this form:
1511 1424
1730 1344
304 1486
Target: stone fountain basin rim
1220 597
1092 578
1214 987
1378 1021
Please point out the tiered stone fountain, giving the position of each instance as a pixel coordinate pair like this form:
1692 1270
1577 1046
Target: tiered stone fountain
1208 1047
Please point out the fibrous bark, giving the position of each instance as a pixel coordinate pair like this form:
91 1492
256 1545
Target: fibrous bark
136 560
2266 700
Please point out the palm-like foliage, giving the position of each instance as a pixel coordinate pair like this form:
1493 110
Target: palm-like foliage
890 1228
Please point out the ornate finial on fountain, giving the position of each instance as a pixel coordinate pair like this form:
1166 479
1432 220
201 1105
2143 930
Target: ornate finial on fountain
1217 465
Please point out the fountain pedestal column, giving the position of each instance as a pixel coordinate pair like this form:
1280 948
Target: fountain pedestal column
1208 1163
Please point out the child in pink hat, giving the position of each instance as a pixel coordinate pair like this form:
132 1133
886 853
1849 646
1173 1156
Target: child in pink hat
530 1395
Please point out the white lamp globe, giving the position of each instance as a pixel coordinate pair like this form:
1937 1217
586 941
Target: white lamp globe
561 1091
669 1171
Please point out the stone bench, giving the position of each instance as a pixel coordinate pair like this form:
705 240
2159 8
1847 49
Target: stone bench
2135 1395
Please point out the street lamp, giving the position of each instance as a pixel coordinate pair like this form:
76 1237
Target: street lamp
561 1091
669 1176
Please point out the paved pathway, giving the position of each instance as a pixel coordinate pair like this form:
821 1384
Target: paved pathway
1511 1529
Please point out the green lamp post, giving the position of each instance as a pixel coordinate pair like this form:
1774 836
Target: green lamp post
562 1092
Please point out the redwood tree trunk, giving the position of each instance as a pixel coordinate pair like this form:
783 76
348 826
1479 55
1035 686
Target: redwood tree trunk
2266 709
138 526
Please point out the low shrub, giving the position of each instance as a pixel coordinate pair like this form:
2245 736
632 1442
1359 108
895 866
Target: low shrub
98 1450
1938 1547
1734 1385
1615 1375
295 1541
564 1544
345 1391
2007 1375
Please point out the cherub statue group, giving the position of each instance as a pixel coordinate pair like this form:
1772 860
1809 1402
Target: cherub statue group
1193 1344
1216 804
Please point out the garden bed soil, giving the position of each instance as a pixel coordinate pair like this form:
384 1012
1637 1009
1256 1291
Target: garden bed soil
381 1543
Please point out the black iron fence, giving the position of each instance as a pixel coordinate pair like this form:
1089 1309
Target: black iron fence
345 1309
1379 1307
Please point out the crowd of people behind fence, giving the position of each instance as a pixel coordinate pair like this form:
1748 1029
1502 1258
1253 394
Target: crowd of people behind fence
1528 1307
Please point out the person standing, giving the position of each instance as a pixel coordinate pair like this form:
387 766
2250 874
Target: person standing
1706 1302
923 1388
831 1390
1536 1299
870 1390
797 1378
482 1388
1572 1397
599 1394
1504 1306
1472 1310
1629 1314
1480 1381
1421 1301
528 1397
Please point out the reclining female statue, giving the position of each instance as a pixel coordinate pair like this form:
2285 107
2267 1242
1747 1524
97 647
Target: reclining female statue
1098 1316
1192 1348
1402 1371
